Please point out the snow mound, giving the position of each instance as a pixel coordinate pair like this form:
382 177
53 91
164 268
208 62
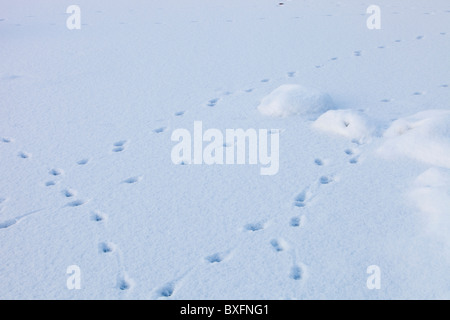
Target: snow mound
431 195
293 99
424 136
348 123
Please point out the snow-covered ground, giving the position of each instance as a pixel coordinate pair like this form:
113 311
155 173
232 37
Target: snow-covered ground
86 123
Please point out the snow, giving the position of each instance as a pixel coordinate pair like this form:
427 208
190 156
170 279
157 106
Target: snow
431 195
347 123
424 136
362 117
292 99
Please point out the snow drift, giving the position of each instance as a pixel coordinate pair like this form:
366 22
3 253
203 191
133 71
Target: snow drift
292 99
424 136
348 123
431 195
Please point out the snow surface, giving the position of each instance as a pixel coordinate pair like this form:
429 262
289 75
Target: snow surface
86 118
292 99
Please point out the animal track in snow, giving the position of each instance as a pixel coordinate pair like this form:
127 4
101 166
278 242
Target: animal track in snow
50 183
82 162
118 149
297 221
318 162
254 226
216 257
167 290
296 272
69 193
24 155
6 140
357 53
353 160
419 37
76 203
265 80
123 283
301 199
278 245
212 102
159 130
132 180
106 247
291 74
98 216
119 146
8 223
326 179
55 172
179 113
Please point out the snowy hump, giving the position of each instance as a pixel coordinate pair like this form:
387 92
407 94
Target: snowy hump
348 123
431 196
292 99
424 136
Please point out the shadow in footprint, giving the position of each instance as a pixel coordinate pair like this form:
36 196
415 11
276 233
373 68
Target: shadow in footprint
123 284
296 273
55 172
105 247
24 155
254 226
212 102
97 216
132 180
68 193
295 222
82 162
76 203
319 162
159 130
277 245
167 290
215 258
325 180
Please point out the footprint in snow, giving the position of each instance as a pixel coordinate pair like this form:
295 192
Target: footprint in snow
119 146
167 290
132 180
106 247
254 226
326 179
98 216
24 155
82 162
159 130
69 193
212 102
55 172
76 203
297 272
